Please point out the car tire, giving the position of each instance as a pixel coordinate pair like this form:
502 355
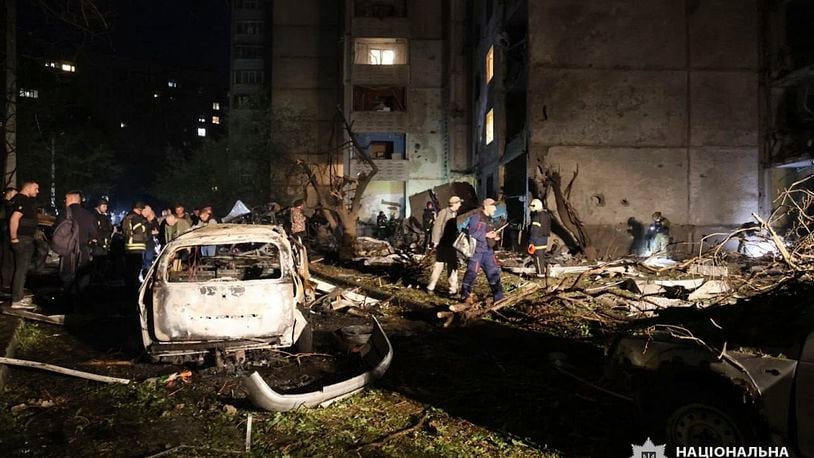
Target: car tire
305 344
700 415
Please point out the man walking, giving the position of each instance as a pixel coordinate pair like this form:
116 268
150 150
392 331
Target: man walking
74 268
480 229
22 225
444 233
538 235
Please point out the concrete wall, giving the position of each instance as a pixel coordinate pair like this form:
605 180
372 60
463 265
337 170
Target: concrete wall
305 80
656 103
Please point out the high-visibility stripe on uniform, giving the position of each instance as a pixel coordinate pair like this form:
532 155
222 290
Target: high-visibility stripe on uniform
536 223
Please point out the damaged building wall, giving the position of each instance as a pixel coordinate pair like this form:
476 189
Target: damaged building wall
656 103
422 120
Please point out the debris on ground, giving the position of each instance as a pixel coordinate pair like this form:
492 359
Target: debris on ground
63 370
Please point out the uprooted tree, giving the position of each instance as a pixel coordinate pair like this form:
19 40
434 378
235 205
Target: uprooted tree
566 216
342 194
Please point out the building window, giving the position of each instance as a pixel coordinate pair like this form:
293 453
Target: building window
380 8
202 131
489 127
252 28
241 101
122 124
51 64
249 77
29 93
380 51
216 106
155 95
172 83
246 4
215 119
381 56
490 64
67 67
248 52
378 98
201 119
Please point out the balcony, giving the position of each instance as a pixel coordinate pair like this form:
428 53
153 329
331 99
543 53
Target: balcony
387 27
381 75
379 121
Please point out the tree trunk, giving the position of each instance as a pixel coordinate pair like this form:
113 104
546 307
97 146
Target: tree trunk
10 125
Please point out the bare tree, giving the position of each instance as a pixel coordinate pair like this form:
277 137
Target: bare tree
342 195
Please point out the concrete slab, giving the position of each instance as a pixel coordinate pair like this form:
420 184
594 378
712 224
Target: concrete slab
709 290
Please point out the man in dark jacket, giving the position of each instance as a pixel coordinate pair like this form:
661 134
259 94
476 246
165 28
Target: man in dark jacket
427 220
539 232
74 268
480 228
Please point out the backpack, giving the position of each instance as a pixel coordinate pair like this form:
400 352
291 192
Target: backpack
66 236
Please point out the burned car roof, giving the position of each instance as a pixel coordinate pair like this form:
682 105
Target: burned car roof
230 233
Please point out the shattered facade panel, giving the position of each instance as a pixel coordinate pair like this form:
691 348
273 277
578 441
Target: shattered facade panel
655 102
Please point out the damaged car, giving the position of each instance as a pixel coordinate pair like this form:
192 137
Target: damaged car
229 290
692 394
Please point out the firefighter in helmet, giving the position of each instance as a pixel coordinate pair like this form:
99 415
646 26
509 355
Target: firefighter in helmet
539 232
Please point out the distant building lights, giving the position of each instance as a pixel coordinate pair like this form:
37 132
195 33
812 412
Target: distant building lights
29 93
172 83
122 124
155 95
202 119
66 67
216 106
202 132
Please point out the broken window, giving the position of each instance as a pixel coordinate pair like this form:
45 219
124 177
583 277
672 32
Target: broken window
378 98
228 262
489 127
380 51
490 64
380 8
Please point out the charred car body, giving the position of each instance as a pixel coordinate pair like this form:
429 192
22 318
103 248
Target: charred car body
225 288
231 289
691 394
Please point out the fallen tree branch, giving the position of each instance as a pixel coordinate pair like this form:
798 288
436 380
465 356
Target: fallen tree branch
63 370
50 319
401 432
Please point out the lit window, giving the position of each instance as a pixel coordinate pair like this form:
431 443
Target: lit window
215 119
202 131
490 64
51 64
490 126
216 106
172 83
29 93
381 57
122 124
68 68
155 95
202 119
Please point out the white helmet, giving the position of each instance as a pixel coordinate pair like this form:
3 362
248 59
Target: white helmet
536 205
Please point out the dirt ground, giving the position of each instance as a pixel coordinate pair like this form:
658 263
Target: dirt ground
485 389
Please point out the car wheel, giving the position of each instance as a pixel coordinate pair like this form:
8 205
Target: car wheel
305 344
704 415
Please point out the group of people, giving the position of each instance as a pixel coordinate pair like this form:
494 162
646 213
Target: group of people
480 228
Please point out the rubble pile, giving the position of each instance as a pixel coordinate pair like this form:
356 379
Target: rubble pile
756 259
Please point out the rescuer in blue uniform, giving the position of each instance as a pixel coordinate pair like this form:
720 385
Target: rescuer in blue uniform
481 230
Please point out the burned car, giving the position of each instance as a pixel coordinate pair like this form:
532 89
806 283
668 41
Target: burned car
231 290
225 288
692 394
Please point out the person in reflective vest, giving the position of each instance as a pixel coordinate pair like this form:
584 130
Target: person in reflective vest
539 231
134 227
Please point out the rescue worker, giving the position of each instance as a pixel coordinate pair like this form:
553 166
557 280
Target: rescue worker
539 232
381 226
659 234
134 227
480 228
444 233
